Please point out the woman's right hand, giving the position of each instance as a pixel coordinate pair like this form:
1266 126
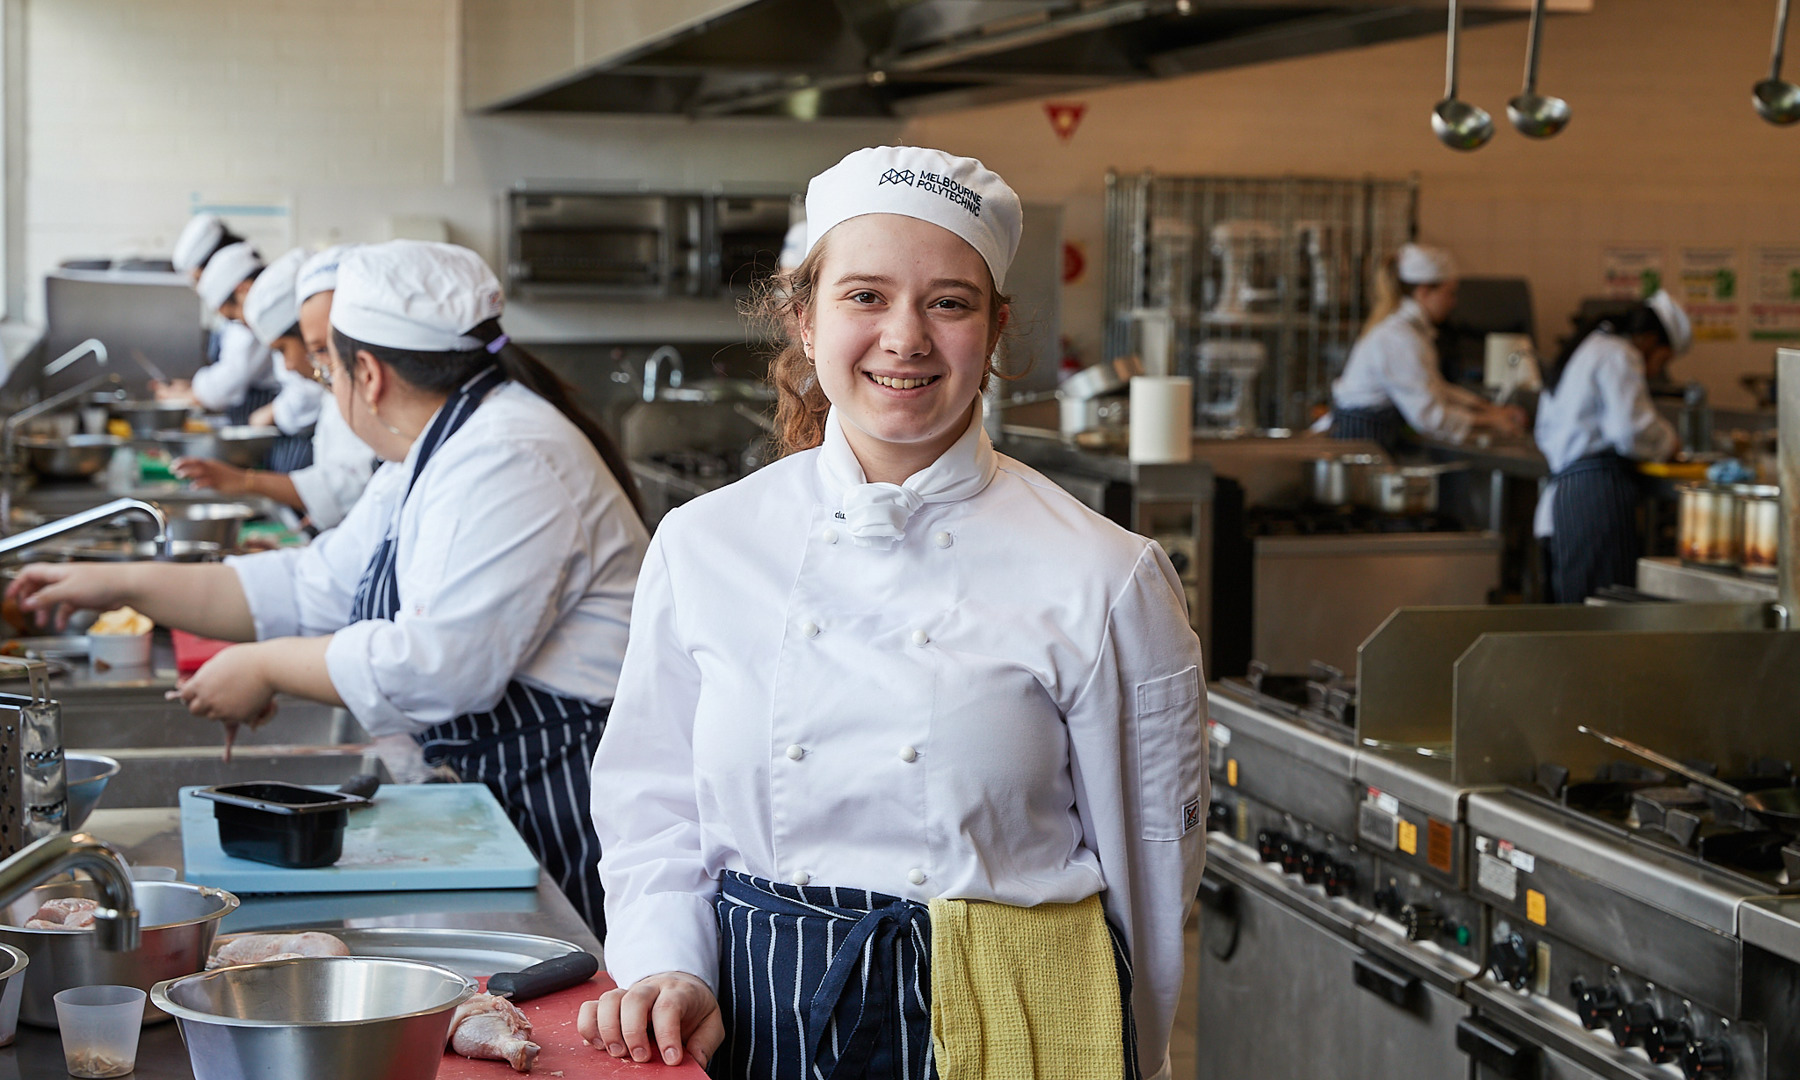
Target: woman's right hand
679 1007
55 591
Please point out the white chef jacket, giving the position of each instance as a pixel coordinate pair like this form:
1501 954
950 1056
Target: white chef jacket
1006 705
342 465
517 555
1601 402
243 363
297 404
1396 363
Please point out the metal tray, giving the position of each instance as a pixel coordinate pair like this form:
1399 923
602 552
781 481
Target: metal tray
473 953
64 647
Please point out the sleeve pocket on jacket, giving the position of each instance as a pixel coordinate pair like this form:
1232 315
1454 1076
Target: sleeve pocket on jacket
1170 755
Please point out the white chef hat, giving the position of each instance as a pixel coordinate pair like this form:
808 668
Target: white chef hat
319 273
957 193
270 309
1674 319
225 271
199 238
1419 264
416 295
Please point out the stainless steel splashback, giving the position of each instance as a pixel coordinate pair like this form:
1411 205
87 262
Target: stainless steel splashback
1726 696
1405 671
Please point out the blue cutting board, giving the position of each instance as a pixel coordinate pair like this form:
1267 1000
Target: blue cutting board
415 836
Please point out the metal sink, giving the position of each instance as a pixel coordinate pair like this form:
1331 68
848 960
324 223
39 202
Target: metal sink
155 777
107 720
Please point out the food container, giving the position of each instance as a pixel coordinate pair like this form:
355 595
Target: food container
243 446
1706 530
1343 479
88 775
149 417
71 458
281 824
12 987
321 1018
100 1026
178 919
1758 529
119 650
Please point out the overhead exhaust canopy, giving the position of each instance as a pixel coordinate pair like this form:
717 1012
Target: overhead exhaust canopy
881 58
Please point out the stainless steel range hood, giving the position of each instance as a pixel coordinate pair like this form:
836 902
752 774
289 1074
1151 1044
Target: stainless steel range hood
875 58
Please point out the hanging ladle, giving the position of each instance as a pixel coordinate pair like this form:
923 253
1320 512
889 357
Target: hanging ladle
1777 100
1459 125
1534 115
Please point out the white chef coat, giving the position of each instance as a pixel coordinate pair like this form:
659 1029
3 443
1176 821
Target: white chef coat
297 404
517 556
243 363
1006 705
342 465
1601 402
1396 363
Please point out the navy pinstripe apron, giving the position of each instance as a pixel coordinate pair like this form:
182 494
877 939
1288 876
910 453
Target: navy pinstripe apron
290 452
1594 540
1382 425
534 748
824 983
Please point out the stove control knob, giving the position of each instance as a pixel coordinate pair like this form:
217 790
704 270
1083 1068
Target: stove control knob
1596 1006
1314 866
1632 1023
1511 962
1420 921
1268 845
1387 900
1218 817
1666 1041
1705 1057
1291 852
1340 878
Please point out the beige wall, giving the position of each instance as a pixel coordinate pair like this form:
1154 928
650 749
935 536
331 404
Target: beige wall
1664 148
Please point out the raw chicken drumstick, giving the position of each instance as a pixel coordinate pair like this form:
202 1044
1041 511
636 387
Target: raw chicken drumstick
493 1028
259 948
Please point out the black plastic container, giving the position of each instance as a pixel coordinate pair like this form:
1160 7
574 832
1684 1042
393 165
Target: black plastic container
281 824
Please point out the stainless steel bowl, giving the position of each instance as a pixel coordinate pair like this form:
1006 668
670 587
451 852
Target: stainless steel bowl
12 984
179 922
149 417
202 522
320 1018
241 445
71 458
122 551
88 774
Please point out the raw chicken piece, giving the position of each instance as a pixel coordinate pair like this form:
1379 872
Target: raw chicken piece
259 948
65 913
493 1028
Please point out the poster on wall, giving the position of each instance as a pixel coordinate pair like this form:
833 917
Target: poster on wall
1709 291
1775 306
1631 272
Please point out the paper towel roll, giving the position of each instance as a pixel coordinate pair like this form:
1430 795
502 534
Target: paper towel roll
1162 420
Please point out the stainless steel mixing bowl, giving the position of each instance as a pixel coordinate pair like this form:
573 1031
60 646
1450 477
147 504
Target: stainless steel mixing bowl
241 445
204 522
322 1018
71 458
149 417
179 922
88 774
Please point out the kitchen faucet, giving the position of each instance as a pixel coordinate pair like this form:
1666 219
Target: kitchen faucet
653 370
10 429
91 516
116 919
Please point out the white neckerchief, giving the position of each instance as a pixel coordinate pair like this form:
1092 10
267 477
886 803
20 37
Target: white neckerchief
876 514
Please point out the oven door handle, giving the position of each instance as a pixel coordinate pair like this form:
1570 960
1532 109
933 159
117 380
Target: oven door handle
1502 1052
1390 984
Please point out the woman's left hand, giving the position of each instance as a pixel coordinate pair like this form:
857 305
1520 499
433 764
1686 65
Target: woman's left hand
232 688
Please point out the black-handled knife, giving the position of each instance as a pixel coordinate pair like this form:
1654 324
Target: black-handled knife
569 969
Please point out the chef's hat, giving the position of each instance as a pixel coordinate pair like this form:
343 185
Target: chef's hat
415 295
319 273
1421 265
199 238
957 193
225 271
1674 319
270 309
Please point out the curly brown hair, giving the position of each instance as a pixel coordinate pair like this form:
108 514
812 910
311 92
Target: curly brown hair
781 304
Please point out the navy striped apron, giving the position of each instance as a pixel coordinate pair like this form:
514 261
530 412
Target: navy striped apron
818 982
1594 540
1383 425
534 748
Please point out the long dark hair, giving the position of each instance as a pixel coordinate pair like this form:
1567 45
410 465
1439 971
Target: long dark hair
1641 319
442 373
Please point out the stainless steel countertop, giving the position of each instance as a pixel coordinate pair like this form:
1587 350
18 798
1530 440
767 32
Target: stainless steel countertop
153 837
1515 457
1675 580
1772 923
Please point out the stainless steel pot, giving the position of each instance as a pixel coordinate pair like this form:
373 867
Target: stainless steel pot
1758 508
149 417
1411 489
319 1018
1343 479
71 458
179 922
1707 526
243 446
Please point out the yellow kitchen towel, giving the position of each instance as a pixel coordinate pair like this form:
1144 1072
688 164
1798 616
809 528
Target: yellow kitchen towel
1024 993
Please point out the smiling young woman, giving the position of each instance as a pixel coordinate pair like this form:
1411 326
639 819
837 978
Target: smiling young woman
896 709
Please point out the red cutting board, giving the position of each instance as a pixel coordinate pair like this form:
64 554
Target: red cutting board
192 650
553 1028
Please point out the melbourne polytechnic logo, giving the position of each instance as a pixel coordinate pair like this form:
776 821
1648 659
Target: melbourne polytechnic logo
896 176
937 185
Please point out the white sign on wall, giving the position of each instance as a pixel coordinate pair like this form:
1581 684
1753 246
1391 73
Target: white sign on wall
1709 288
1775 303
1631 271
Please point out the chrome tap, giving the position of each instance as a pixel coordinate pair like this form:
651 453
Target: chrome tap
10 429
116 920
653 370
104 512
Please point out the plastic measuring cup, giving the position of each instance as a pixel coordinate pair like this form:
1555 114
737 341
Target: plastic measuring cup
100 1026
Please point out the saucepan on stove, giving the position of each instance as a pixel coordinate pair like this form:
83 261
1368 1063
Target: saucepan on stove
1407 489
1342 479
1778 808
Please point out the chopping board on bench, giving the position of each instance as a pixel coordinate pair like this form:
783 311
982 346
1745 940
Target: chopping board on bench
414 836
553 1028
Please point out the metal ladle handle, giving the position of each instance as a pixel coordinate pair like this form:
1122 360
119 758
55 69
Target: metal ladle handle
1531 49
1781 23
1711 783
1450 50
